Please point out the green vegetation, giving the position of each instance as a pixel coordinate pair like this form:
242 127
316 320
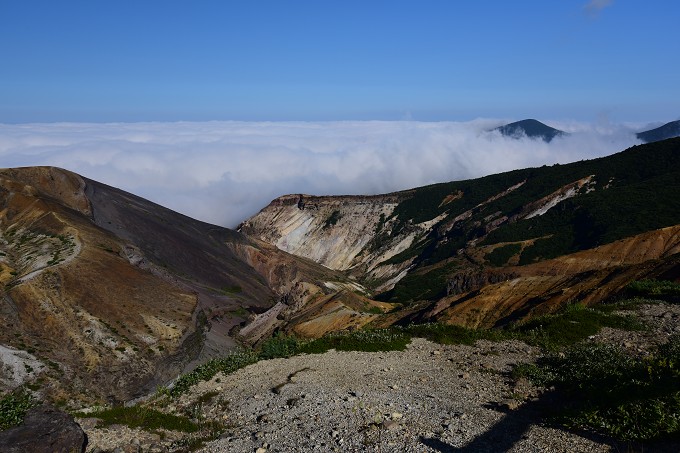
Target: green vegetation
500 255
611 392
655 288
232 289
571 325
13 408
629 193
372 340
281 346
227 364
332 219
451 334
426 284
143 417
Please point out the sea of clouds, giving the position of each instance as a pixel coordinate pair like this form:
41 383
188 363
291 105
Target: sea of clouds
224 172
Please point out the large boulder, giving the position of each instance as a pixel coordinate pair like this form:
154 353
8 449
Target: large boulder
44 430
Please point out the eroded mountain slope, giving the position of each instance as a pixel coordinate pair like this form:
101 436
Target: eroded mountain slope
112 295
432 248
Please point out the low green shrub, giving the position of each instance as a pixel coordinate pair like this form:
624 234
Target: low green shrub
227 364
569 326
655 288
13 408
279 346
370 340
611 392
452 334
143 417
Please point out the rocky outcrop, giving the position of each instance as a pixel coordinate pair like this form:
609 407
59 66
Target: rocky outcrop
45 430
356 234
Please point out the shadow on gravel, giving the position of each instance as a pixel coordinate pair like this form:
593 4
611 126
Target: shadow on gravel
511 429
501 436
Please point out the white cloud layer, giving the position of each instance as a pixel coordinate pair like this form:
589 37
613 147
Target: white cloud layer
224 172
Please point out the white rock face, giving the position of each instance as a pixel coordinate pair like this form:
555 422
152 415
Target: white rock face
341 233
16 366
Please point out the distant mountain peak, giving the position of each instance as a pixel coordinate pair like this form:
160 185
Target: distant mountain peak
530 128
668 130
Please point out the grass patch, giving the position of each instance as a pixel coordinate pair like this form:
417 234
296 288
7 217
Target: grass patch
13 408
205 372
451 334
231 289
372 340
613 393
655 288
573 324
143 417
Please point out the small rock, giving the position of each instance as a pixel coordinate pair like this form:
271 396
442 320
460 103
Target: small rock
396 416
263 418
464 375
436 352
394 387
45 429
261 450
390 424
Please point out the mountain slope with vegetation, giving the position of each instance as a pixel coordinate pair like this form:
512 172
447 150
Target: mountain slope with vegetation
668 130
494 248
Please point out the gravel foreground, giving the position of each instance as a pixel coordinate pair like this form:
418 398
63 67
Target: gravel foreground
429 398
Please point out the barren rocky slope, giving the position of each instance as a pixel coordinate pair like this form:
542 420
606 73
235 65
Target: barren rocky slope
105 295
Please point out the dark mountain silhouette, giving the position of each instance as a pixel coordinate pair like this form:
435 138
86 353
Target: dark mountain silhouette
530 128
668 130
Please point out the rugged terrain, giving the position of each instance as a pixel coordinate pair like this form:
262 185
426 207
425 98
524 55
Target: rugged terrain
504 247
428 398
106 295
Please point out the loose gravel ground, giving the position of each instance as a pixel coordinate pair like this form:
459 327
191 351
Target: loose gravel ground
428 398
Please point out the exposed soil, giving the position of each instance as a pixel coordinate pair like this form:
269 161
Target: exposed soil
429 398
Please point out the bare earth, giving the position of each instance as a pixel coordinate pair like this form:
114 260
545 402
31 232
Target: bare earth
429 398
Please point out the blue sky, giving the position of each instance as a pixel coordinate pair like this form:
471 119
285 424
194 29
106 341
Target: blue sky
128 61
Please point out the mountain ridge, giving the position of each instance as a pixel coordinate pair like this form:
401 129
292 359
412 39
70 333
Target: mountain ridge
408 251
113 295
668 130
530 128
